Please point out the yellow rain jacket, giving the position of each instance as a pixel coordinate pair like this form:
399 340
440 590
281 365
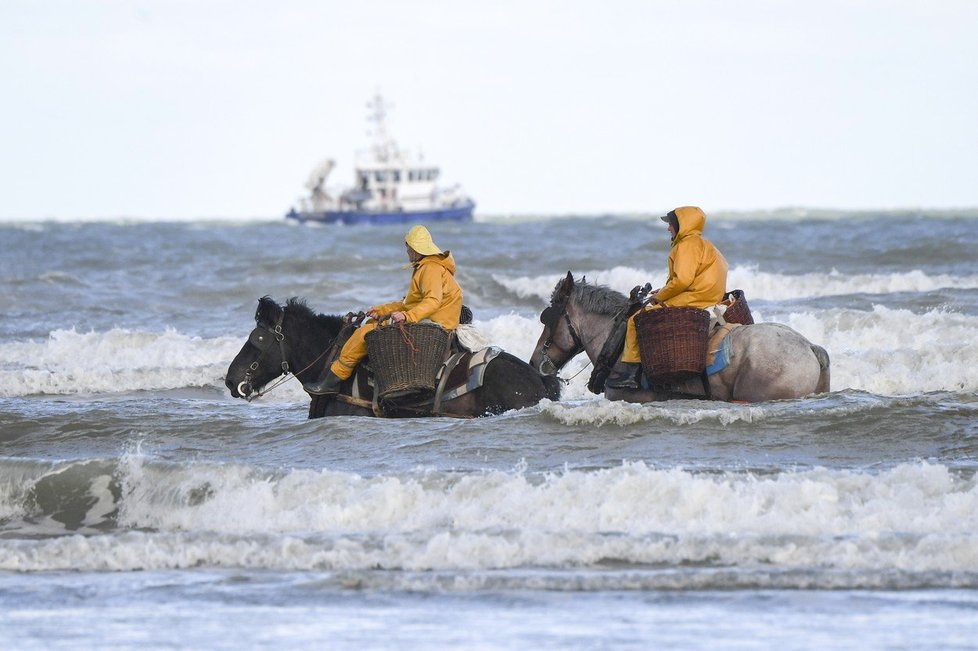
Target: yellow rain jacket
697 270
433 293
697 274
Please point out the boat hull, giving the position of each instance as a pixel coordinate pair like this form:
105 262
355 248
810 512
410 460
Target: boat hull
462 213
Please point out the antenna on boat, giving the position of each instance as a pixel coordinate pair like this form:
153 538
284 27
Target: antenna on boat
384 145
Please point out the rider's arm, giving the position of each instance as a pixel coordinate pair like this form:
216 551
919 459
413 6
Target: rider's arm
682 271
387 308
429 280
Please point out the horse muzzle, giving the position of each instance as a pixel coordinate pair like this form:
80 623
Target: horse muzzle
546 365
244 388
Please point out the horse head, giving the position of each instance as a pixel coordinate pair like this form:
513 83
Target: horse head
577 319
286 339
559 341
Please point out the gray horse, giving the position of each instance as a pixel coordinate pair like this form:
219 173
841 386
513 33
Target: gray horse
768 361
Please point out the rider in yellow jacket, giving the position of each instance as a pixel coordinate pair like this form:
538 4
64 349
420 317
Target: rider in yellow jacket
433 295
697 278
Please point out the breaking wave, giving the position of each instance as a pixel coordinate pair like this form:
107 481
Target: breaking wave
135 514
757 284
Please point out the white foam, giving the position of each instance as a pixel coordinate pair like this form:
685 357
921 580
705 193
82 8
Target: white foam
884 351
70 362
916 517
601 411
757 284
894 352
775 287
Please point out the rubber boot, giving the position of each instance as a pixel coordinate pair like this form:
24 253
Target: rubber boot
329 385
625 375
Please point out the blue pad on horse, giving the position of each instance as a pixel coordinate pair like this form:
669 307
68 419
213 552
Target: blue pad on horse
721 359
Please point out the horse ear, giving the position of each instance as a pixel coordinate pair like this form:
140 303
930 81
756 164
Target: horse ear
566 285
268 310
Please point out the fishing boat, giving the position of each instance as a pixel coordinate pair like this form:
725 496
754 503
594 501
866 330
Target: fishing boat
390 186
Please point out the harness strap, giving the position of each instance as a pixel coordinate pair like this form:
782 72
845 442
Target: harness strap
356 402
443 373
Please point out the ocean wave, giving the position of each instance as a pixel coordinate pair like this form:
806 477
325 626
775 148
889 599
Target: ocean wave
599 412
912 518
884 351
756 284
71 362
894 351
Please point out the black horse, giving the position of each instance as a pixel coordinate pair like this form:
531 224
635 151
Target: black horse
294 339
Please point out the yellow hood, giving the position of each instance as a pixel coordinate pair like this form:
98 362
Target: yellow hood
419 239
691 220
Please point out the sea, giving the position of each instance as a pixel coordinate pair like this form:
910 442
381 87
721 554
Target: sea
142 507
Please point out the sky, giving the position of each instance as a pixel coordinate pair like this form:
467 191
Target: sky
221 108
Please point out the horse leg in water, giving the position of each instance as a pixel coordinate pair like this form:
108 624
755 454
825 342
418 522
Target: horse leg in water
328 405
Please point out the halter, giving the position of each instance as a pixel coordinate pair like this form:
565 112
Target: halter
279 336
262 346
551 323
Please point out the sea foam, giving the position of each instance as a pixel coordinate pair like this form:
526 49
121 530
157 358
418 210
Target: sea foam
914 517
119 360
756 284
884 350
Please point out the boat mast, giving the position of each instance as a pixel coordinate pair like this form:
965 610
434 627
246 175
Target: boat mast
385 149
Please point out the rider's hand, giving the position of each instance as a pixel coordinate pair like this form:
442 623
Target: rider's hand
373 314
397 317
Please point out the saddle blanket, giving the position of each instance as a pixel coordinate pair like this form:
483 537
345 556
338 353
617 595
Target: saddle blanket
718 348
464 371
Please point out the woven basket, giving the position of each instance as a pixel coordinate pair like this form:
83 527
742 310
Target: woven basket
672 342
738 310
405 357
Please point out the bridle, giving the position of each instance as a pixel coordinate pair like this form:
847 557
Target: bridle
258 340
547 366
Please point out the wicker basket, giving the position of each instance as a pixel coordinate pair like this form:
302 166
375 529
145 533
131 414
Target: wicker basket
738 311
672 342
405 357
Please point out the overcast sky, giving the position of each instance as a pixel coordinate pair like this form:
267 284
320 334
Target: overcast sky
197 108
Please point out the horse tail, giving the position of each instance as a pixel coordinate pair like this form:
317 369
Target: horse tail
823 363
551 384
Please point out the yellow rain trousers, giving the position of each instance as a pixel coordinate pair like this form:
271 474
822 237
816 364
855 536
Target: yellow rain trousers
697 274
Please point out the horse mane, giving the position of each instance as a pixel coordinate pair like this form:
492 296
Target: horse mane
594 299
268 313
